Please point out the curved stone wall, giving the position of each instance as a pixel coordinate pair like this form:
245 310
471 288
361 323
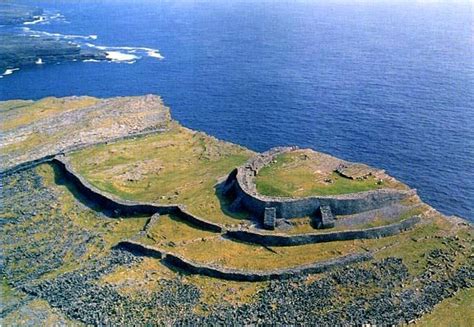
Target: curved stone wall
127 208
179 262
290 240
124 208
130 208
27 165
244 190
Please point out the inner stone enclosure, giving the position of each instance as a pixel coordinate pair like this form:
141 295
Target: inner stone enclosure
289 186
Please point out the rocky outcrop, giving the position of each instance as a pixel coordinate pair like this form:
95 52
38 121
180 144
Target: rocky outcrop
14 14
19 49
70 129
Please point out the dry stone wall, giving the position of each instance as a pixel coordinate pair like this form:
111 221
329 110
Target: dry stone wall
130 208
291 240
241 185
177 261
124 208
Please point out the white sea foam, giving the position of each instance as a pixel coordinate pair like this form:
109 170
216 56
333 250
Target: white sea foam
10 71
140 51
35 33
155 54
37 19
57 16
91 60
47 18
136 52
117 56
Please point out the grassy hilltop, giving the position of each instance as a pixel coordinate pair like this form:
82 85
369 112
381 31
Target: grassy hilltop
61 265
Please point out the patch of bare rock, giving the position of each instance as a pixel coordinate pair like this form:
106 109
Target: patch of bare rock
105 121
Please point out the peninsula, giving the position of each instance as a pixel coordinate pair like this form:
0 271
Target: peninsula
115 214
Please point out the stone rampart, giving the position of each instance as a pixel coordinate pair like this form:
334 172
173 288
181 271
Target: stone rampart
242 182
130 208
26 165
237 274
300 239
124 208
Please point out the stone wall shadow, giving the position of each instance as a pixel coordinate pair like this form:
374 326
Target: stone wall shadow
225 204
60 179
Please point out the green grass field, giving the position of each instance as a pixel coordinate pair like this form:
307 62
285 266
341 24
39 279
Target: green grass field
174 167
290 176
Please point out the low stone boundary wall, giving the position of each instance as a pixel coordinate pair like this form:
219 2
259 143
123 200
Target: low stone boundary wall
127 208
241 184
289 240
236 274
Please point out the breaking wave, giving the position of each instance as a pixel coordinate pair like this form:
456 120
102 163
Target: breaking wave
127 54
9 72
118 54
47 18
38 19
36 33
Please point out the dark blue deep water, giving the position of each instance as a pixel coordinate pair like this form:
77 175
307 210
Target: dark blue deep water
389 84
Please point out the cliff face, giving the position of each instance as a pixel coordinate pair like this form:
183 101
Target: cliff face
138 222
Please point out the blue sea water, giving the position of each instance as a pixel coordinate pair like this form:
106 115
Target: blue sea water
385 83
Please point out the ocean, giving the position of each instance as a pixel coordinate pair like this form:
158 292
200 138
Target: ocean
389 83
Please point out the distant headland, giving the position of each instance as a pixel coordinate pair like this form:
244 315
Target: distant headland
20 47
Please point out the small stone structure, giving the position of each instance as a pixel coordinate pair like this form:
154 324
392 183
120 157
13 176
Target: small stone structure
269 219
240 184
357 171
326 218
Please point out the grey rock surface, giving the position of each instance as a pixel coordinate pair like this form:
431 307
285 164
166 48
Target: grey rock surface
106 121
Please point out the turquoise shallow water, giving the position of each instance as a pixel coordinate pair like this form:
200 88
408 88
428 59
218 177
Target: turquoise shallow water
388 84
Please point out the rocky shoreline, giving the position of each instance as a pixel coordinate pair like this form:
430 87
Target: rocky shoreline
19 48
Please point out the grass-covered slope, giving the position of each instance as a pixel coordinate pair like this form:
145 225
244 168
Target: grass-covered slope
178 166
60 265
